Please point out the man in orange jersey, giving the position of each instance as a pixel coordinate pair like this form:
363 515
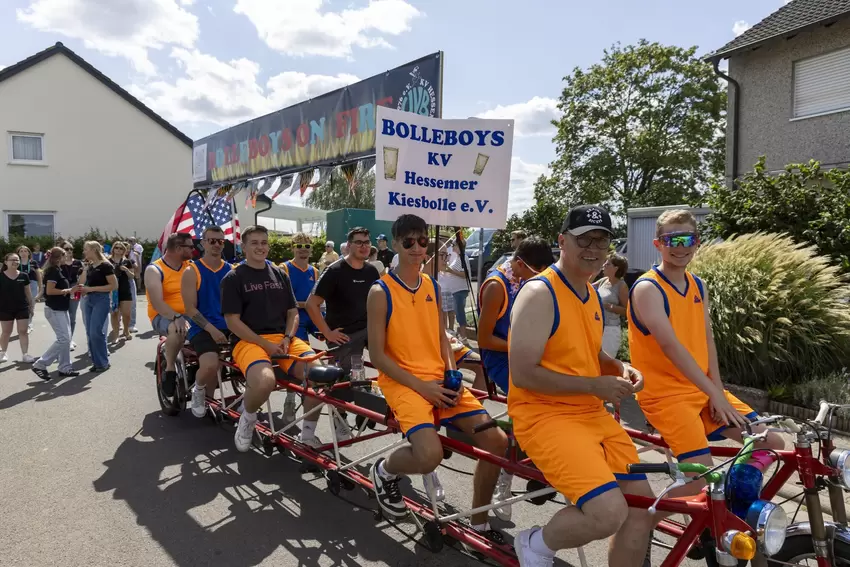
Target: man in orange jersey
559 379
671 341
409 347
165 301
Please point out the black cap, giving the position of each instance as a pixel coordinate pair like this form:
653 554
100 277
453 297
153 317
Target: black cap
585 218
382 236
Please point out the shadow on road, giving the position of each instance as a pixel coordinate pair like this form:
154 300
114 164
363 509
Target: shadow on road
43 391
297 514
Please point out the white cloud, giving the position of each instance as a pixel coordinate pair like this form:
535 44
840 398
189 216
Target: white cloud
523 176
227 92
740 27
126 28
533 118
301 27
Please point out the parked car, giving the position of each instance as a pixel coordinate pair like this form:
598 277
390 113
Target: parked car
474 253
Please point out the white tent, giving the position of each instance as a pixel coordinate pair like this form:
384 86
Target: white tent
279 217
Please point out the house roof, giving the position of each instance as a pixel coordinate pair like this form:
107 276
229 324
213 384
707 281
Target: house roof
788 20
86 66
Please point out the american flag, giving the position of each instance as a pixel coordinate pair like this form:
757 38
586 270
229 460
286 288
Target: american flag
192 218
195 219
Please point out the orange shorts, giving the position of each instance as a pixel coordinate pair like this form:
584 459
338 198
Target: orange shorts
466 355
247 354
581 456
685 422
413 412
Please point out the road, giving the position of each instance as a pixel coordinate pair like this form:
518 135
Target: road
94 474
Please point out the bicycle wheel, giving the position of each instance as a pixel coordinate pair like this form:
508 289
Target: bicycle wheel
799 550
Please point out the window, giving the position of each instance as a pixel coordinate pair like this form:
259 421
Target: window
29 224
822 84
26 148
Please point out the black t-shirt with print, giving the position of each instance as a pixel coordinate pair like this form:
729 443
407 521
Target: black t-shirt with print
56 302
13 295
96 275
261 297
385 256
345 290
72 271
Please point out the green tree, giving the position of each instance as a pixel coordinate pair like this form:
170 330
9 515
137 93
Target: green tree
335 193
643 127
806 202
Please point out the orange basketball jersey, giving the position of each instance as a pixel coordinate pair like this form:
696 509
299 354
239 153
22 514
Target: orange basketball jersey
573 346
170 286
685 312
413 327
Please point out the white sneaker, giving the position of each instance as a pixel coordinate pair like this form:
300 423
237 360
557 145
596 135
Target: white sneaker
3 357
28 359
433 487
244 432
199 401
289 406
311 441
341 428
134 330
29 329
73 346
528 557
503 492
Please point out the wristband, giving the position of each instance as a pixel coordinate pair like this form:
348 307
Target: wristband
452 380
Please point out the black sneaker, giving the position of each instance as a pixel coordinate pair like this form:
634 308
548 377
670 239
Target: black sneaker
169 382
71 374
388 493
98 369
41 373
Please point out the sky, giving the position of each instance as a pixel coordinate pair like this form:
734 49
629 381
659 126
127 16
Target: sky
205 65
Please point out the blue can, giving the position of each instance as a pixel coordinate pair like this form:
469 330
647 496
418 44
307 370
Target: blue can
452 380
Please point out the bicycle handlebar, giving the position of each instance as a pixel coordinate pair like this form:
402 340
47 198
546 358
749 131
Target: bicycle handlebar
649 468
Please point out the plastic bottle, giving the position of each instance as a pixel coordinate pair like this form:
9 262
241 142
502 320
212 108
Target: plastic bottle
358 371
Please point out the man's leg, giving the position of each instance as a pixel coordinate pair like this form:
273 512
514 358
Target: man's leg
298 370
630 545
174 340
493 441
261 383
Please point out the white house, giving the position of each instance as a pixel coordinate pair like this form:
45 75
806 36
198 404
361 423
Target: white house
77 151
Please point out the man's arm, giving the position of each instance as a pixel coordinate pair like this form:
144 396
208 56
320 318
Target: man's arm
189 292
292 322
532 317
376 309
313 305
648 303
492 300
153 283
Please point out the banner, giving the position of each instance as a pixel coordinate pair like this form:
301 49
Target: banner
449 172
328 130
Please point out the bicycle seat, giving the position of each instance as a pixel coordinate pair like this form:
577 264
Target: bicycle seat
325 375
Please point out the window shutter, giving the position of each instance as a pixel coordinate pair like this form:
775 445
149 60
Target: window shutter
822 84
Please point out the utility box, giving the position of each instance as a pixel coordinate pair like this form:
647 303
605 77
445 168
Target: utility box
640 250
340 221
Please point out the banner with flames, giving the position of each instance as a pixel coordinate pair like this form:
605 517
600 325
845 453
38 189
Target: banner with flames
329 130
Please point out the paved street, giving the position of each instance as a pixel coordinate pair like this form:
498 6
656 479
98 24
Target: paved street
93 474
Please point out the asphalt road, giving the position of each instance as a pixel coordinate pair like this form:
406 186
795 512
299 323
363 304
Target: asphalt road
93 474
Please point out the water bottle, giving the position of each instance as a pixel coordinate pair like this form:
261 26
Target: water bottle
358 371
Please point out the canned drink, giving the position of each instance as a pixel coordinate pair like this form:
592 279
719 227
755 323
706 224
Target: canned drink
452 380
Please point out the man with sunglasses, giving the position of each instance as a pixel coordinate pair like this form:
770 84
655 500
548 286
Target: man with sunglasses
671 341
409 347
303 278
201 291
165 301
559 380
343 288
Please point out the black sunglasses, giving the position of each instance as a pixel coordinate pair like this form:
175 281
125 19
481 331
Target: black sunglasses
215 240
408 242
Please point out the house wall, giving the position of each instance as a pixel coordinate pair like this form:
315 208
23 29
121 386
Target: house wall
109 166
766 112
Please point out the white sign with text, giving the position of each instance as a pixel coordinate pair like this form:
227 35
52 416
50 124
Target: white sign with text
449 172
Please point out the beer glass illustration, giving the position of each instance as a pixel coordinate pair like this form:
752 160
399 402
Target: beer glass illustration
480 164
390 162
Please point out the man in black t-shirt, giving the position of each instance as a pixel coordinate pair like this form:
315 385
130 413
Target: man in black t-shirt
385 255
260 310
344 288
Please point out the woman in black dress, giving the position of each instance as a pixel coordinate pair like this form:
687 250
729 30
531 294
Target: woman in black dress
16 304
124 305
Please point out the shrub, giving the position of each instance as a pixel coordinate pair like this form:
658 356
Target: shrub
780 311
280 248
833 388
806 202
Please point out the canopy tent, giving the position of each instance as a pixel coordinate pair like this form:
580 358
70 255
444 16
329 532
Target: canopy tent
267 213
